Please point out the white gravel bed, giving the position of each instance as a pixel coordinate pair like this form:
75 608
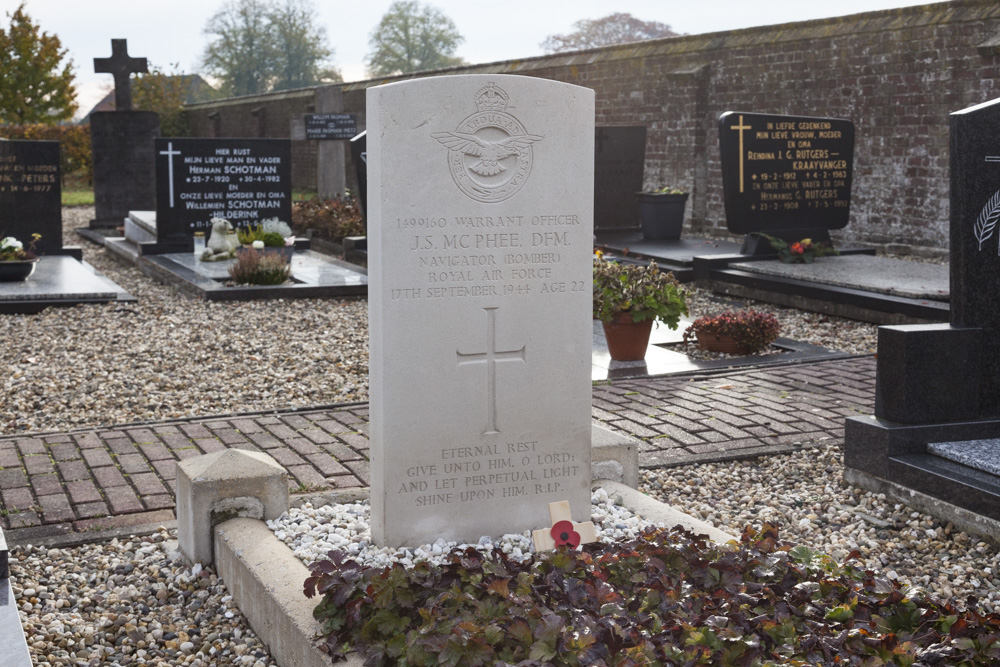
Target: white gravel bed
172 355
804 493
128 602
312 531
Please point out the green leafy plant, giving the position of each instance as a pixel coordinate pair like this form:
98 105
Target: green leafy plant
12 250
668 190
752 330
329 219
644 291
666 597
799 252
256 268
272 232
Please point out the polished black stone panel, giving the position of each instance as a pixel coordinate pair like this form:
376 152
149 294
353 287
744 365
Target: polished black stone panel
975 237
619 159
122 146
783 173
30 187
949 481
59 280
927 373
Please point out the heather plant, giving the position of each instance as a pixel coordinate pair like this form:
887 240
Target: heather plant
752 330
644 291
256 268
668 597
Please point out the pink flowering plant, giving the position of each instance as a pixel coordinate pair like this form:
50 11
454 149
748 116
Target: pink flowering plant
644 291
799 252
752 330
12 250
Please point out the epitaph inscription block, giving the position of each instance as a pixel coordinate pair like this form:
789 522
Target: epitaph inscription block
480 236
243 180
30 193
785 172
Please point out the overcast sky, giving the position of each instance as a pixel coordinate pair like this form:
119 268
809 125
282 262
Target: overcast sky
172 32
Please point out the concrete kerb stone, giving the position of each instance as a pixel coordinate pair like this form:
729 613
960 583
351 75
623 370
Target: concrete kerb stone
614 456
220 486
266 579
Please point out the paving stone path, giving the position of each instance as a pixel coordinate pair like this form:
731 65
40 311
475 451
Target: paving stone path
95 481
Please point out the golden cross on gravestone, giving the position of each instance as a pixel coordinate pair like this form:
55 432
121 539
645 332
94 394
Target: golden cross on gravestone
121 65
491 357
563 530
741 127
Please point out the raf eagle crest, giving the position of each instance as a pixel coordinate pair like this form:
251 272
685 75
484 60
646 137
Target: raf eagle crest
490 152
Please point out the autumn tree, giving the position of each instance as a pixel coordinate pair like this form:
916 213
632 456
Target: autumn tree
36 86
262 45
619 28
412 37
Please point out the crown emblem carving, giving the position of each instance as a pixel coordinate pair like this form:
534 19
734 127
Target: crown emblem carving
491 98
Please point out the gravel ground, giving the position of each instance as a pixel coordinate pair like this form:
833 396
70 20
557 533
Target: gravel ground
805 495
171 355
128 602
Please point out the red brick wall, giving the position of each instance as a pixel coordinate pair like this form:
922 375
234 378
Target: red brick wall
896 74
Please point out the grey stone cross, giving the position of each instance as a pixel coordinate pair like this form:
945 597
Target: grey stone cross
491 357
121 65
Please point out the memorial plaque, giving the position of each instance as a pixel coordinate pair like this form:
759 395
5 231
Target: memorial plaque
331 126
480 269
242 180
619 159
785 172
30 193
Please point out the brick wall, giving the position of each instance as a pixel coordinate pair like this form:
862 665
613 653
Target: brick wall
896 74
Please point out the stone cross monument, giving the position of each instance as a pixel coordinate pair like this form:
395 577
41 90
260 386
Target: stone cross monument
121 65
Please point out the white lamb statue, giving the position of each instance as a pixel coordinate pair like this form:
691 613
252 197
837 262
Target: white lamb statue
222 243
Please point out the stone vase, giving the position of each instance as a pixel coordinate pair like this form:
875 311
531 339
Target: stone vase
720 343
17 270
627 340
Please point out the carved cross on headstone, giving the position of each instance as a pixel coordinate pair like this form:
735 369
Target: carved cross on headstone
121 65
491 357
563 530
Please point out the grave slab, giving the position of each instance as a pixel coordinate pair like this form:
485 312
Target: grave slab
979 454
884 275
59 280
480 202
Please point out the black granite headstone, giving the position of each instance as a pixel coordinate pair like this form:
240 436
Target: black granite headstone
30 193
619 158
975 238
787 176
331 125
242 180
359 156
122 146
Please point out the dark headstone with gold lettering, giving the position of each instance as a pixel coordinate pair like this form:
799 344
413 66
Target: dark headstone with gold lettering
787 176
30 193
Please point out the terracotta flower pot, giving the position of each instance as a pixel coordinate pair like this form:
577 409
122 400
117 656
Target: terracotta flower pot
627 340
720 343
17 270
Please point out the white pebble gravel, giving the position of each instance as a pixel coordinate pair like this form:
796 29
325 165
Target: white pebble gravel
312 531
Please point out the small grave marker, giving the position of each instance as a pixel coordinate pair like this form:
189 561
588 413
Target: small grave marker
563 531
331 126
787 176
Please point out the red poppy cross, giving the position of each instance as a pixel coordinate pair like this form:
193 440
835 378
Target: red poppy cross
563 530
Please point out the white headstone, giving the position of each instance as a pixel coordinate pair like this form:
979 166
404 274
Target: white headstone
480 239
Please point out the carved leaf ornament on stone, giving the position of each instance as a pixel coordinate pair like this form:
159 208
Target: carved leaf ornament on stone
987 220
